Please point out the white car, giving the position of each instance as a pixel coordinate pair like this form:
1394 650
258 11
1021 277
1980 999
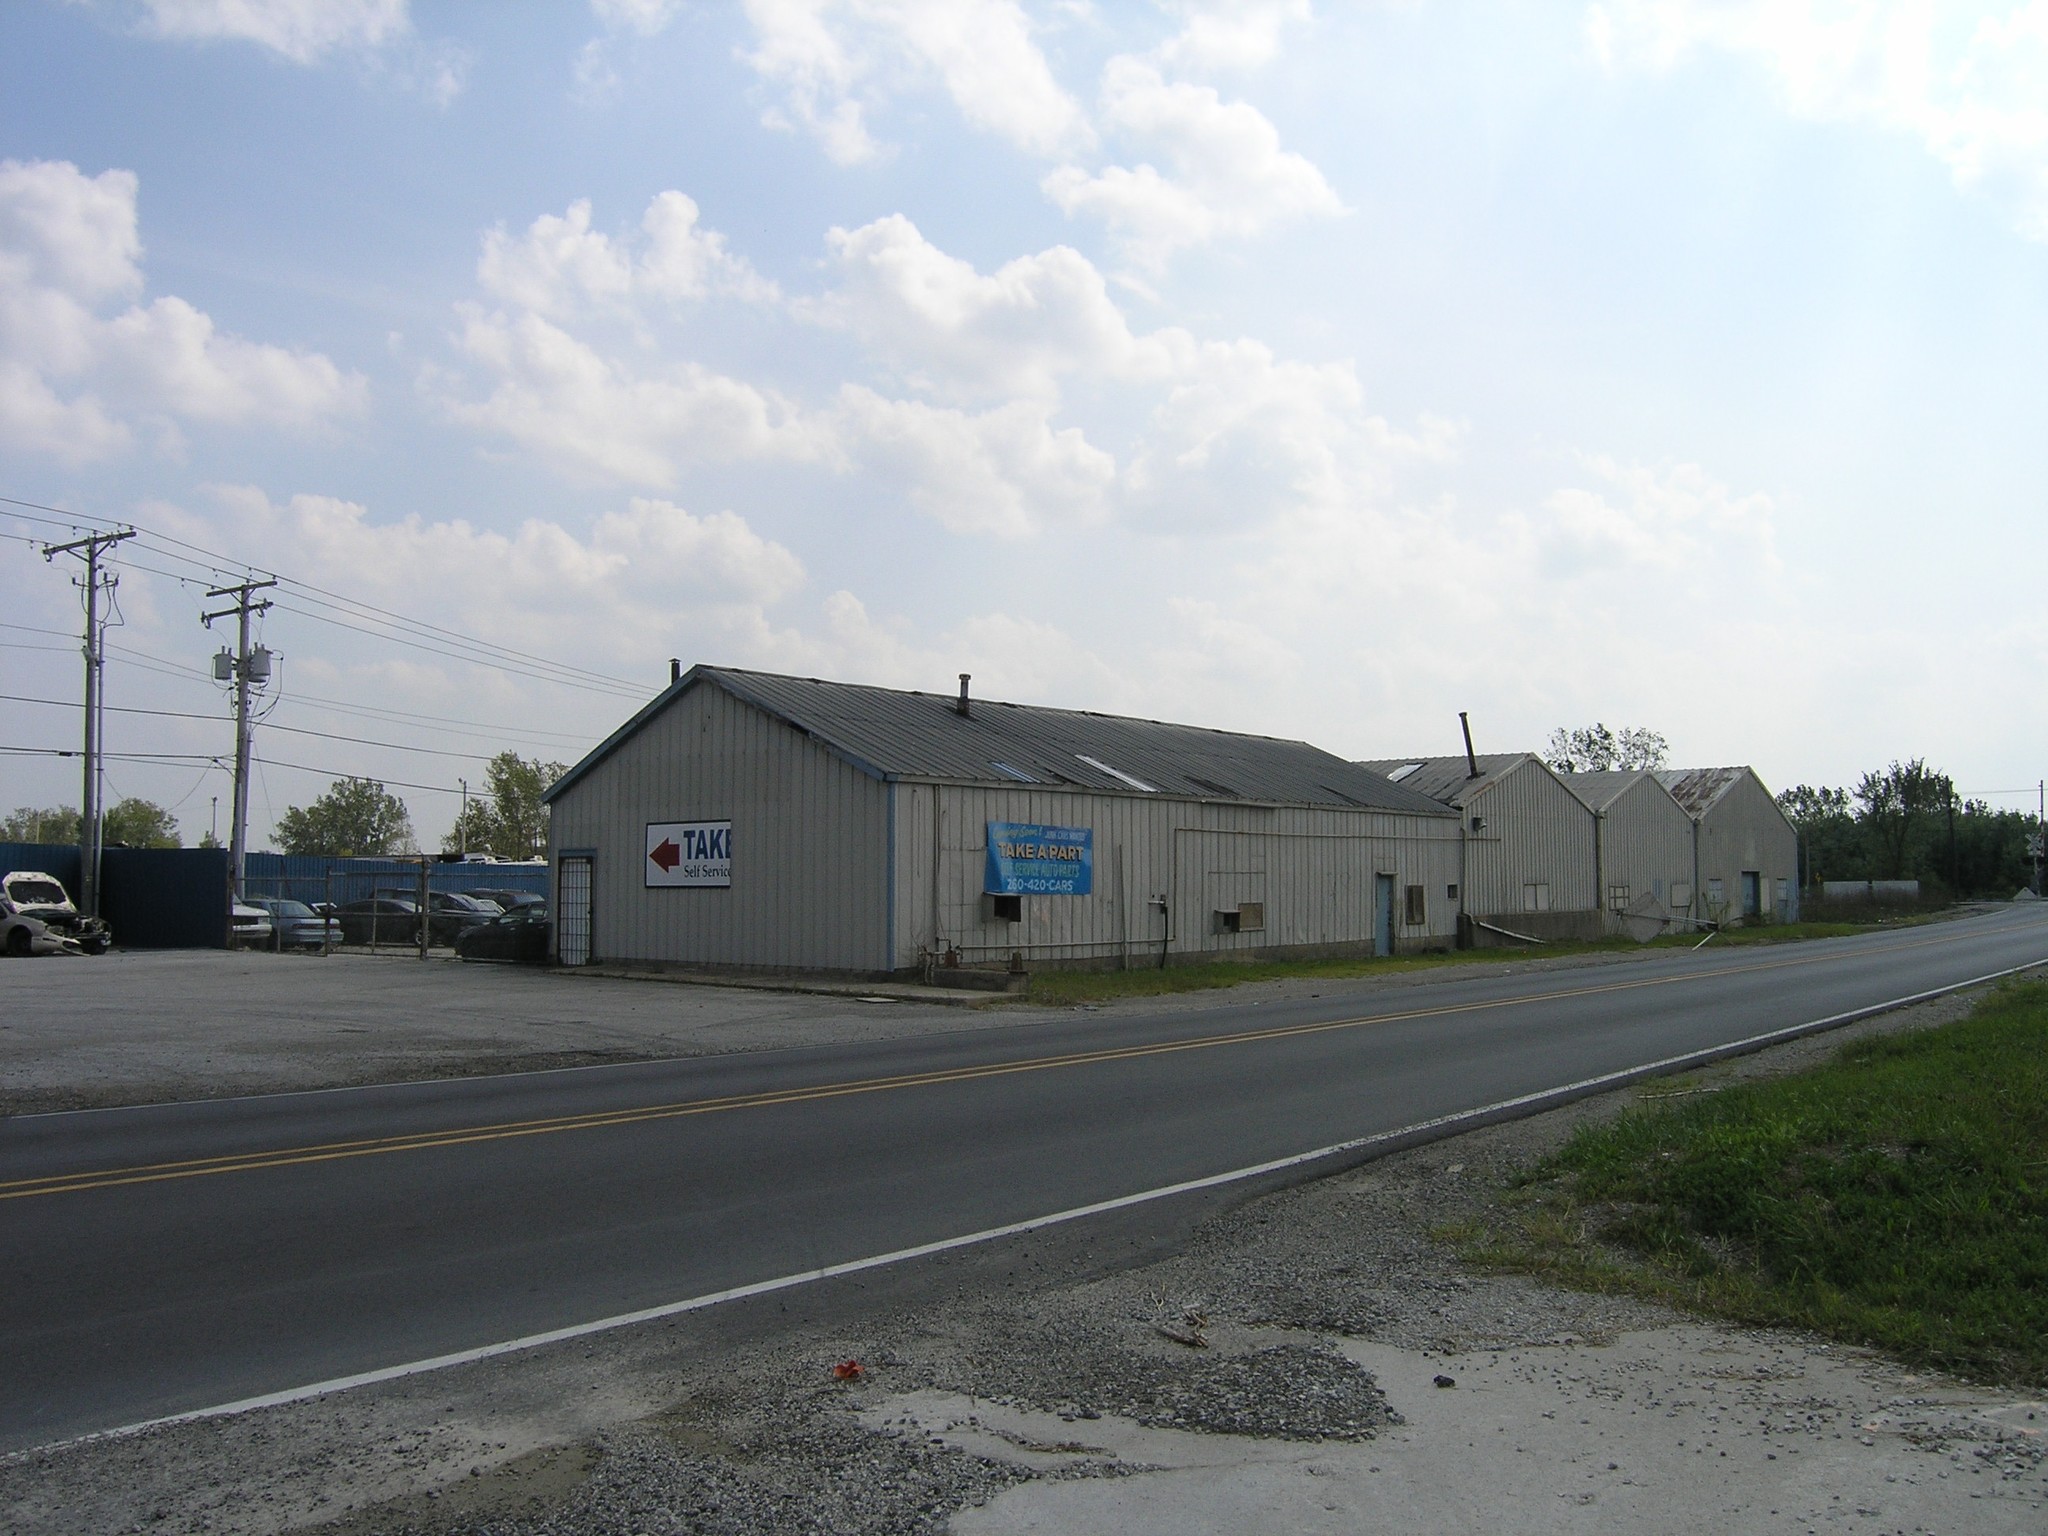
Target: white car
37 918
250 927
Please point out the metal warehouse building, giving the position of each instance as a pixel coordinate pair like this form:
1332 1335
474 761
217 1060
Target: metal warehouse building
744 819
1643 848
1746 853
1526 846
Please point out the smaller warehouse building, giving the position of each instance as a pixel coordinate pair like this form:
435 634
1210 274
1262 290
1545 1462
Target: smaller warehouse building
1527 866
751 820
1746 858
1643 849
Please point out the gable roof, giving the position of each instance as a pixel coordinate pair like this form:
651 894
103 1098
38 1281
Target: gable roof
1698 788
889 733
1602 787
1448 780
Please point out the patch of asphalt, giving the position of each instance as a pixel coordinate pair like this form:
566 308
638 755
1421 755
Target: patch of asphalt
1299 1360
154 1026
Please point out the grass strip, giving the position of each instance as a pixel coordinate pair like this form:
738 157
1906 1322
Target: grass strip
1895 1197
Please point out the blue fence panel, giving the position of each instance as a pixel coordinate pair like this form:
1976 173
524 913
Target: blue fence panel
304 876
165 898
58 859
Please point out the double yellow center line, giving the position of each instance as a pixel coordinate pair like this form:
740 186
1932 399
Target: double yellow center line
421 1141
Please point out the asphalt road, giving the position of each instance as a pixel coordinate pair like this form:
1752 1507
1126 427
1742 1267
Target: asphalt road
161 1259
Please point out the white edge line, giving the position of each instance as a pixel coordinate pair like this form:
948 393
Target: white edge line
1421 1130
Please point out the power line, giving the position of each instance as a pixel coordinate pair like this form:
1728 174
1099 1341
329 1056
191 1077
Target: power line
295 730
417 633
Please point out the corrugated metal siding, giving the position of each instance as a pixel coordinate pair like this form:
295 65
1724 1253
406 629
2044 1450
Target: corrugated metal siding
1536 830
1312 868
810 866
1646 845
1744 830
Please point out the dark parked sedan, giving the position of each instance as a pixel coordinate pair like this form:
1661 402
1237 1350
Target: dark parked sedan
521 935
379 920
508 899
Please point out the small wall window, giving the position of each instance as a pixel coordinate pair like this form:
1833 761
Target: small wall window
1536 896
1716 897
1450 893
1245 917
1681 895
1617 898
1418 913
1003 909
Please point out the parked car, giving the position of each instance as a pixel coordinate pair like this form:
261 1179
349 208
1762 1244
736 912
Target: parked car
37 918
248 926
379 920
295 925
519 935
450 912
510 899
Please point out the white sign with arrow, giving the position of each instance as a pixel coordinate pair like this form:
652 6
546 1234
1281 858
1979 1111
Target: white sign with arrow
688 853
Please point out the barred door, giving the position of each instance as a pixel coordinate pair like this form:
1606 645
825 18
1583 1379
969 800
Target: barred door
572 917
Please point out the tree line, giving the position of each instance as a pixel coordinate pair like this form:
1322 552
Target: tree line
360 818
355 818
1905 821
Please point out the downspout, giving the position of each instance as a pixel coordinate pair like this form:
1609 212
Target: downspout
889 894
1600 903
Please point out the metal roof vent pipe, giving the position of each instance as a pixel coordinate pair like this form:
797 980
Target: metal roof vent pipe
1471 757
961 708
675 670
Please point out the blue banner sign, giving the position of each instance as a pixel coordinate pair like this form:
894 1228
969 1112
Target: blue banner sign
1025 859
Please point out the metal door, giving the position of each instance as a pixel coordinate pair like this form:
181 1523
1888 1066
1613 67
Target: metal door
1383 914
1752 893
572 911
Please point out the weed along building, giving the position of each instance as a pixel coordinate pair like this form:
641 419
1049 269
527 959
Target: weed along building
749 820
1747 854
1642 850
1525 845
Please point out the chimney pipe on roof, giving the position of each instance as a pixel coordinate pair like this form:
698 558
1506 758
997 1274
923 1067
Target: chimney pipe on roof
1471 757
961 709
675 670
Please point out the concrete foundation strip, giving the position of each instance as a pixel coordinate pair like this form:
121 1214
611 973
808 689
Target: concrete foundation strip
1278 1172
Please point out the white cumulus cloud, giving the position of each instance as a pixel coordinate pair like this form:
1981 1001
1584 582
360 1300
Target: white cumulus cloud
301 30
835 60
84 358
559 264
1225 174
1969 81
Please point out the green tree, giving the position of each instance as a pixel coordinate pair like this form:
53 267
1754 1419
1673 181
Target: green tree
137 823
47 824
356 818
1896 806
507 819
1594 748
1830 842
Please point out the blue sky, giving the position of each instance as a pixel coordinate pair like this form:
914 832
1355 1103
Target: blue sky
1312 370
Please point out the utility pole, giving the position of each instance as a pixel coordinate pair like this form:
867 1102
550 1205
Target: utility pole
89 549
463 824
2040 832
242 669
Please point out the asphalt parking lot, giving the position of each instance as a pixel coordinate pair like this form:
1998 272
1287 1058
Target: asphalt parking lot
148 1026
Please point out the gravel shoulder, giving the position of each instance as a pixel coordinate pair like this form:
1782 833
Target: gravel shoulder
1271 1363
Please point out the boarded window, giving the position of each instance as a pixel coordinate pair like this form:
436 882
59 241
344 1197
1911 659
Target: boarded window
1450 893
1617 898
1681 895
1716 898
1418 913
1247 917
1536 896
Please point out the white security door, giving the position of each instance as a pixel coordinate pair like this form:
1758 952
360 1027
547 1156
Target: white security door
572 915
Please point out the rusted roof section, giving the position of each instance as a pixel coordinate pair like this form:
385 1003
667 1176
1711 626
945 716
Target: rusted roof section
896 734
1448 780
1698 788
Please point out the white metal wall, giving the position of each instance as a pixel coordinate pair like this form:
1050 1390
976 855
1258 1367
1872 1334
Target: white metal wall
1745 830
1311 868
1646 845
810 843
1537 832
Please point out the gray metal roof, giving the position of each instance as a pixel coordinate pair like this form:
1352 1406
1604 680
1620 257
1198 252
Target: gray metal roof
1448 780
893 734
1698 788
1603 787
